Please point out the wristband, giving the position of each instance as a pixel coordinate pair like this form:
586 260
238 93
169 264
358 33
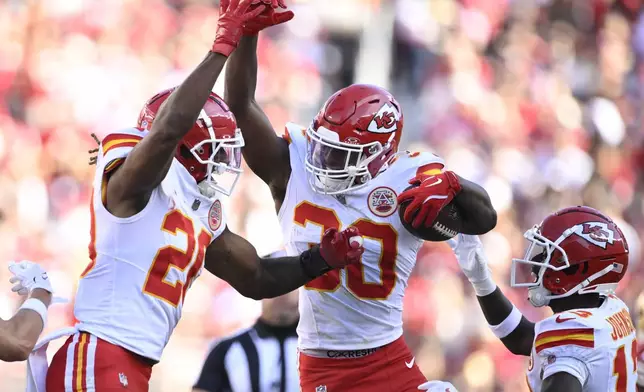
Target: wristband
38 307
508 325
313 264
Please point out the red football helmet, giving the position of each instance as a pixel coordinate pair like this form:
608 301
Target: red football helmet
352 138
575 250
211 150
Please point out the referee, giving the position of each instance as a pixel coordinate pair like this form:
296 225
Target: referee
262 358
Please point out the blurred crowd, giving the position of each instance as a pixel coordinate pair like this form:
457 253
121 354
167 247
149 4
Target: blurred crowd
537 100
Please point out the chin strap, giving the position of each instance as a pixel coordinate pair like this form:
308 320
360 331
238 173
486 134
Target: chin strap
540 296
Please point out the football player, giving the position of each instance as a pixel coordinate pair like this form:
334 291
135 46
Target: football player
574 261
341 171
19 334
157 219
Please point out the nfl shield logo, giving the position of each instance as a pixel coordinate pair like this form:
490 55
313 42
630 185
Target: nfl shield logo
321 388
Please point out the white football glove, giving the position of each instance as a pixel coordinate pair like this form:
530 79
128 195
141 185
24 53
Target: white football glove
473 262
437 386
27 277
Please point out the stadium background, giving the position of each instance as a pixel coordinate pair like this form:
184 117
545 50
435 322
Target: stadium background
539 101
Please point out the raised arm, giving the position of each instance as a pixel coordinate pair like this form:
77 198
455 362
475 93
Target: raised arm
130 185
266 153
19 334
235 260
505 320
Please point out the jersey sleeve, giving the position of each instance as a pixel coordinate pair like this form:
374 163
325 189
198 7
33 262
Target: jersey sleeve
407 165
112 152
115 147
567 343
571 360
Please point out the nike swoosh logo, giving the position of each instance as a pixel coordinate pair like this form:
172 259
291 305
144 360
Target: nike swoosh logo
438 181
410 363
561 320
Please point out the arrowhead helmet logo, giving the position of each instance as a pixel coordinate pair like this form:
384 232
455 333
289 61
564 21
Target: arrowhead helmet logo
386 120
597 233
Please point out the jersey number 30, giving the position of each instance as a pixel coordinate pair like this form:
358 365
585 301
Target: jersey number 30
383 233
169 256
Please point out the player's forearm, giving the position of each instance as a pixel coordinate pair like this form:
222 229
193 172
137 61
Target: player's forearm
180 112
281 275
19 334
241 77
475 207
502 317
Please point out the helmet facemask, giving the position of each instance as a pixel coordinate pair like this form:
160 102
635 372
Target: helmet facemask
529 272
222 157
336 167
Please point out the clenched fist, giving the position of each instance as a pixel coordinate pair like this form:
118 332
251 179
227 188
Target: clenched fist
337 250
340 249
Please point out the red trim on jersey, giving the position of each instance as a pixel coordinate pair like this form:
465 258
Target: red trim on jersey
92 237
117 140
584 337
430 169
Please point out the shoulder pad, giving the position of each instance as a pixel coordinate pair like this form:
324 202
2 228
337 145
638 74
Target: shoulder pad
295 135
405 165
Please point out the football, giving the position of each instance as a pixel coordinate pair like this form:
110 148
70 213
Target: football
446 226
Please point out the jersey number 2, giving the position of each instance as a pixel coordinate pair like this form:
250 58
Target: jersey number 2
169 256
621 369
384 233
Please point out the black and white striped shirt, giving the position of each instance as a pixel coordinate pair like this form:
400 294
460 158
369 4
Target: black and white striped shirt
262 358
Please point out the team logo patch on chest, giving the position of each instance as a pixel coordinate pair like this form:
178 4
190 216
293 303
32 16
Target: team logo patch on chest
382 201
214 216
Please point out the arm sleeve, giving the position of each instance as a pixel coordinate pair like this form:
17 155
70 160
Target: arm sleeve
213 377
570 365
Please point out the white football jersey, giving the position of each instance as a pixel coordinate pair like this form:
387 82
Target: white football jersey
361 306
132 292
597 346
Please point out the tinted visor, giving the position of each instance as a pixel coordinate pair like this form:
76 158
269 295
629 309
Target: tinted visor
324 155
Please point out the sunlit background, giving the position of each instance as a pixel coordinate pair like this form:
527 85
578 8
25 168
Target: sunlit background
539 101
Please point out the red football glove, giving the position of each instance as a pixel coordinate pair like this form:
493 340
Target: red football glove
270 16
339 249
270 3
428 199
233 14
